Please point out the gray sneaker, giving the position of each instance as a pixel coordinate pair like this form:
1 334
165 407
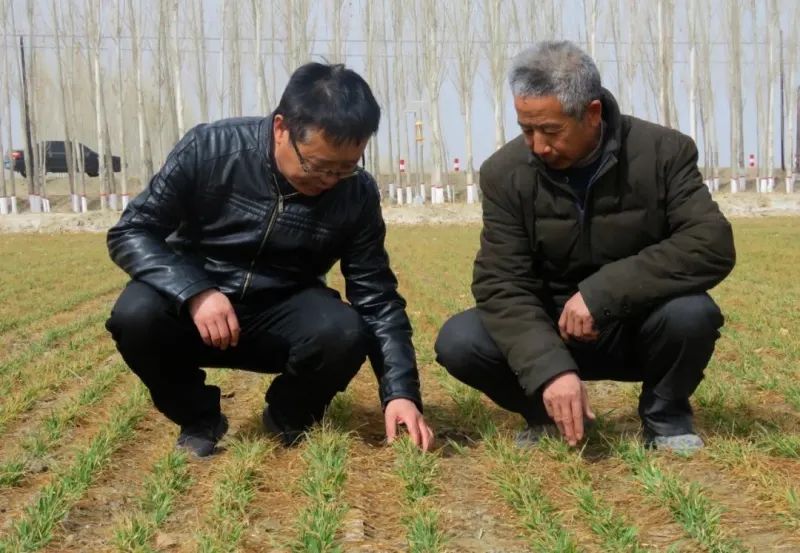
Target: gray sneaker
200 439
682 444
533 433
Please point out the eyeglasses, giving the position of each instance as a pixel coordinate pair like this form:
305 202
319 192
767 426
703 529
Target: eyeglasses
312 171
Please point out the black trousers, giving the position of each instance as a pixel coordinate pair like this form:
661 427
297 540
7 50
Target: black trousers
314 340
667 350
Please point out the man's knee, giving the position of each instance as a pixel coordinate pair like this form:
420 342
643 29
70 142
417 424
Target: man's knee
692 317
455 345
336 338
137 316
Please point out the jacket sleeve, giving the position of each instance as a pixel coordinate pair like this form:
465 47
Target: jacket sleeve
371 287
697 254
137 242
508 293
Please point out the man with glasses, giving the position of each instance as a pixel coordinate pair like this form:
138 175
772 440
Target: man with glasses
599 244
228 250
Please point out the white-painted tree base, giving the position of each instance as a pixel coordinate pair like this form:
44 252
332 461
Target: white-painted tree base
35 203
45 205
75 201
125 201
409 195
422 193
437 195
14 205
766 185
392 192
3 205
471 196
84 205
103 202
113 201
790 184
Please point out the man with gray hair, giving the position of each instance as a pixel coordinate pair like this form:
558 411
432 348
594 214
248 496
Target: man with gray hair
599 245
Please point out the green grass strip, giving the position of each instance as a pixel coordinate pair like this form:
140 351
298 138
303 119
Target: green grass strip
52 376
418 471
747 456
233 493
48 340
322 483
168 479
514 475
520 485
613 530
698 515
45 310
35 529
37 444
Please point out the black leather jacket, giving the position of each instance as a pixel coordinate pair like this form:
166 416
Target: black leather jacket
217 215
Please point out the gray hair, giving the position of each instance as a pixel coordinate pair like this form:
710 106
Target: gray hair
560 69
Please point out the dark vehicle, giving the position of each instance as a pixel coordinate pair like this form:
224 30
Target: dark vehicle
56 159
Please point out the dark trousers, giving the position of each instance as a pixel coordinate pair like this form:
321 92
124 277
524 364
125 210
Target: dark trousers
667 350
315 341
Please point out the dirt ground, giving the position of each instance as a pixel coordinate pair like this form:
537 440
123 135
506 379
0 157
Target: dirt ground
746 204
743 488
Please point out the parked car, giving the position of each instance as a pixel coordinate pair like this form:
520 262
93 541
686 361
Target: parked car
56 159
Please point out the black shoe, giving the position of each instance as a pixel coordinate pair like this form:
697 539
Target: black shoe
201 438
277 426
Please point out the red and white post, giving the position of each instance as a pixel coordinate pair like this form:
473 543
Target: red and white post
397 193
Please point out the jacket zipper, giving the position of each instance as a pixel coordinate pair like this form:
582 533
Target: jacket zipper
273 217
604 168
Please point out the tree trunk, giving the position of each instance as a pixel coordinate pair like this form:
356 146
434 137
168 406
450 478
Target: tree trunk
176 52
737 132
236 64
77 151
121 111
12 208
200 58
144 135
222 60
263 93
65 110
497 31
387 90
32 151
106 167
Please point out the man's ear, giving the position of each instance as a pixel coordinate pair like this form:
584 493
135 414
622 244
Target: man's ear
279 128
594 113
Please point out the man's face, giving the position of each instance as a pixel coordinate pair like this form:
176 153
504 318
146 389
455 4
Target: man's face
316 165
559 140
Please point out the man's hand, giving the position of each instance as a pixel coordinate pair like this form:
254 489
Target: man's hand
576 321
215 319
567 401
404 411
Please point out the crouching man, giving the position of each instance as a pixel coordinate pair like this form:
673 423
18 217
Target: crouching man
228 248
599 244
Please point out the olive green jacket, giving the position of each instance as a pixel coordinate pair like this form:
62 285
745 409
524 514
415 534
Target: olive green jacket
648 232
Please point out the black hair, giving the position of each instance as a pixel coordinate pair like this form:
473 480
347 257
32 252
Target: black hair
330 98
